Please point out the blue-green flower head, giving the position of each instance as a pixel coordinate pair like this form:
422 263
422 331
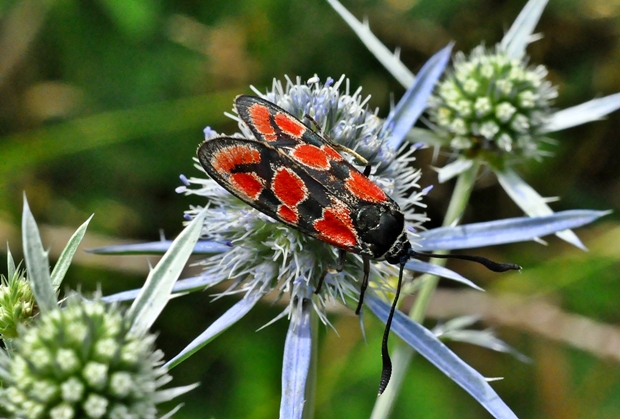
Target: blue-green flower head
82 362
266 254
492 107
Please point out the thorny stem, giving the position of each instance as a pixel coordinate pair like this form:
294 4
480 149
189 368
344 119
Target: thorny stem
403 353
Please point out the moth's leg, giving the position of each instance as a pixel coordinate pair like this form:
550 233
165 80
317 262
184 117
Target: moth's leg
367 170
366 260
338 268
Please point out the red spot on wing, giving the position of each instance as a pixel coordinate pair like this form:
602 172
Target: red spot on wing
288 187
261 121
226 159
287 214
336 227
311 155
248 183
291 190
331 153
290 125
363 188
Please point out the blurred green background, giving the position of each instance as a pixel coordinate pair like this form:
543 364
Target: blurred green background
102 106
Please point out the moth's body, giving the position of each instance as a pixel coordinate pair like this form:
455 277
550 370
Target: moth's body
294 175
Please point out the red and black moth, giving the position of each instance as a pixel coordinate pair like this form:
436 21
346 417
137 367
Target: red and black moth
296 176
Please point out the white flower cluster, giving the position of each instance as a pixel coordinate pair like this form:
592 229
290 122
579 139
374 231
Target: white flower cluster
491 104
82 362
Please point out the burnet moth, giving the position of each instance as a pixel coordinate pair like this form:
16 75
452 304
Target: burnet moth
296 176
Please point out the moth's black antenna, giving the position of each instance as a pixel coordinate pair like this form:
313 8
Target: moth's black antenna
488 263
386 372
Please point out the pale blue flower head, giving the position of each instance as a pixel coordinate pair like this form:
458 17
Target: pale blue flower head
266 255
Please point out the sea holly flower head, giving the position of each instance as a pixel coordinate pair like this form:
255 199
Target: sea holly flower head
83 362
87 359
266 254
492 107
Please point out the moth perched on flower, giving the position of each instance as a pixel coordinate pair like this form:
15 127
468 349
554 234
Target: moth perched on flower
257 254
296 176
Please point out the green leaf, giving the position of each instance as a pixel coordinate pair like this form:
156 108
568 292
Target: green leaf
37 262
390 60
10 263
64 261
156 291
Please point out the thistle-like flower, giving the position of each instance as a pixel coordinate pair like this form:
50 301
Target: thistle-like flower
493 107
267 255
83 359
83 362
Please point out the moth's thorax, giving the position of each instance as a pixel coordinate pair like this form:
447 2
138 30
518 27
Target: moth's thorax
381 228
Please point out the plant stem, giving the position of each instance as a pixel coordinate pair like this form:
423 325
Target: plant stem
401 358
308 412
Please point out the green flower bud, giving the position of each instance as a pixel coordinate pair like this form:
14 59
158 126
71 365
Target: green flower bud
82 362
17 305
491 106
